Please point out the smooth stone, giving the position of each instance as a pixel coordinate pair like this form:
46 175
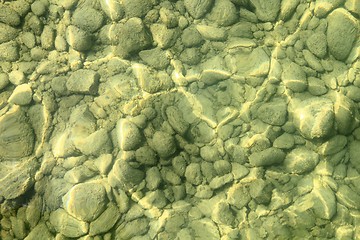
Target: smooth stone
317 44
153 178
7 33
223 12
55 189
333 145
238 195
164 144
129 230
17 77
85 201
324 201
83 81
105 221
314 117
193 174
301 160
39 232
38 8
203 192
47 38
9 16
145 155
22 95
354 152
163 36
353 93
220 181
33 211
68 225
266 11
78 174
312 61
348 197
353 6
156 58
18 227
205 229
211 33
267 157
113 9
323 7
153 199
176 120
294 77
128 134
342 31
179 165
222 167
78 39
4 80
87 19
198 8
273 113
95 144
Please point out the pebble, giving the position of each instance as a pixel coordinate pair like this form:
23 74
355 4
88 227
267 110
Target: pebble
145 155
125 176
87 19
83 81
78 174
317 44
47 38
345 114
205 229
137 8
176 120
267 157
85 201
238 195
22 95
105 221
95 144
130 37
353 6
163 36
284 141
212 33
39 230
348 197
193 174
17 77
204 192
129 230
156 58
261 191
341 33
164 144
312 61
222 214
113 9
153 199
301 160
354 151
9 51
191 37
288 8
153 178
179 165
316 86
273 113
314 117
324 201
294 77
78 39
168 17
223 13
4 80
9 16
222 167
266 11
218 182
198 8
68 225
38 8
333 145
322 8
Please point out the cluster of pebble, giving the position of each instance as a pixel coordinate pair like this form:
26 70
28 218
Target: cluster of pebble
188 119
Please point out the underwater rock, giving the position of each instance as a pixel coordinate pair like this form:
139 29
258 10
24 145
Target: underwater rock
198 8
128 134
301 160
164 144
68 225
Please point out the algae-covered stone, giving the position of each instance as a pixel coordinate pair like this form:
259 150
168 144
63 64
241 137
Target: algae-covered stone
83 81
87 18
163 36
7 33
176 120
137 8
128 134
39 232
316 86
223 13
164 144
222 214
324 201
266 11
68 225
333 145
301 160
198 8
105 221
156 58
128 230
288 8
345 114
294 77
261 191
314 117
113 9
193 173
284 141
145 155
153 178
191 37
354 152
9 16
125 176
22 95
348 197
205 229
273 113
317 44
267 157
9 51
85 201
78 39
341 33
238 195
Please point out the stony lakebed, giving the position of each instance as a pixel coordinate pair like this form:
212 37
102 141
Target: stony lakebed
179 119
